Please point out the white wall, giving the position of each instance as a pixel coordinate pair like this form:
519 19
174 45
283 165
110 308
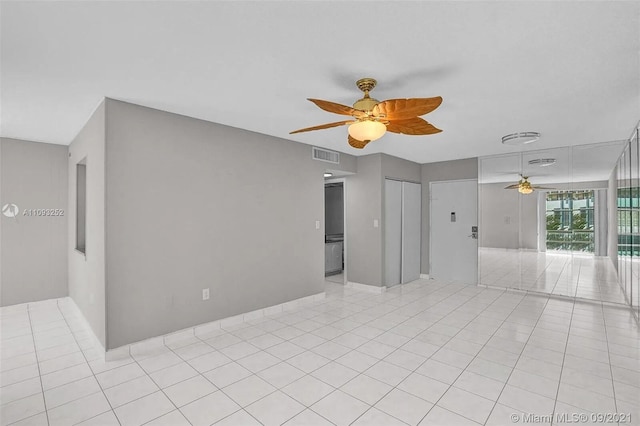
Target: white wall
33 255
87 273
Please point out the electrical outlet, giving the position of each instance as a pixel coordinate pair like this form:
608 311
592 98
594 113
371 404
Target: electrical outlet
205 294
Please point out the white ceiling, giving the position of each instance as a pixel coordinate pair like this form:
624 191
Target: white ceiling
569 70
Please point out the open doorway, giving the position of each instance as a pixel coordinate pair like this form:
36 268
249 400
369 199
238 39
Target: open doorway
334 219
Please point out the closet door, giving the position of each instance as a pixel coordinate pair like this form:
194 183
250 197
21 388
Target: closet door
392 232
411 231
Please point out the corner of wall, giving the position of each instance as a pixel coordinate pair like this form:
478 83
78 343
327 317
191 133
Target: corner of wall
86 271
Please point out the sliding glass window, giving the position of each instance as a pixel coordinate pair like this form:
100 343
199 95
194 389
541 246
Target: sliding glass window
570 224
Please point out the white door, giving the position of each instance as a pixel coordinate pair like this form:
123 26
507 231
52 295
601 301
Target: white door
392 232
411 232
453 248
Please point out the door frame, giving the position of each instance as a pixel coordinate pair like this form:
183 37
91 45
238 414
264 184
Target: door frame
477 221
344 219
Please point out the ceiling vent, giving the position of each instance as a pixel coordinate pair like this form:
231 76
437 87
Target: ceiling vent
325 155
543 162
521 138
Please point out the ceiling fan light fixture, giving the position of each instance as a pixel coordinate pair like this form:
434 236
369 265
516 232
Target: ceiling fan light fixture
543 162
367 130
525 189
522 138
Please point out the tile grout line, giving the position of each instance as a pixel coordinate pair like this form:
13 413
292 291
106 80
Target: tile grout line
514 366
337 314
397 348
92 373
613 383
160 389
34 352
44 402
306 374
564 356
326 324
428 358
171 350
518 360
355 350
451 338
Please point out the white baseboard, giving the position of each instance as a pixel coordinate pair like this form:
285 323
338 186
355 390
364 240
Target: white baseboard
531 250
149 345
96 344
366 287
424 276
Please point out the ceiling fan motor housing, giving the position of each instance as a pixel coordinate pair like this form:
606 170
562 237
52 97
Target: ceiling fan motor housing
366 103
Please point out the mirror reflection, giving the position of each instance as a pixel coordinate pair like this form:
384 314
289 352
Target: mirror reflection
549 221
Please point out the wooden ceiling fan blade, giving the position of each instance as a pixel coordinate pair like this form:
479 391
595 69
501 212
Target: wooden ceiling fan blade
402 109
412 126
514 186
356 143
337 108
540 187
323 126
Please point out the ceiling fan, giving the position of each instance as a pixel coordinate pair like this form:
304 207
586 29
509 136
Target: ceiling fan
524 186
372 118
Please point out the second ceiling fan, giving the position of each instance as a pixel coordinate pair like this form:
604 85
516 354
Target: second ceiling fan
372 118
524 186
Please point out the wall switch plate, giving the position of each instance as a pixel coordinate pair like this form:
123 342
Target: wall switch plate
317 224
375 223
205 294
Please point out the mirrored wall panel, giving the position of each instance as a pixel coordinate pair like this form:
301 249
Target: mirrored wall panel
627 205
548 221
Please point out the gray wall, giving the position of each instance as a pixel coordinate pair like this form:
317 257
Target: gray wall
612 209
194 205
334 209
441 171
87 273
364 205
33 256
507 219
400 169
365 201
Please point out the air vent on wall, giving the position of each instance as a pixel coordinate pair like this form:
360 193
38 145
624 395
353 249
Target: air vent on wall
325 155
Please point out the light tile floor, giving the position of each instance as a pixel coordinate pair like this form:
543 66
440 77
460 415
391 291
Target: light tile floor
425 353
336 278
565 274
